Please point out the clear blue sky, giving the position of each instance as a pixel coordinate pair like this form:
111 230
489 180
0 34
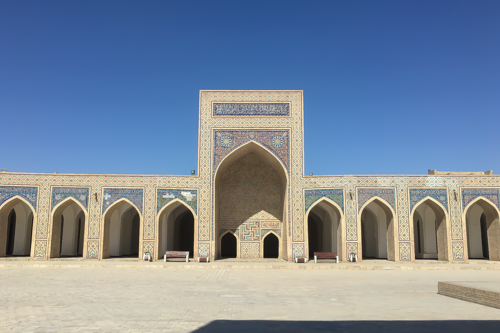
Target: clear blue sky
390 87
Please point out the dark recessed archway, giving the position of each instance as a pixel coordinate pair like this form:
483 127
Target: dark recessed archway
228 246
271 246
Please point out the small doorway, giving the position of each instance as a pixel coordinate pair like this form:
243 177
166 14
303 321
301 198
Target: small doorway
271 246
228 246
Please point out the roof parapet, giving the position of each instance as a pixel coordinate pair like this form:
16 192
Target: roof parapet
456 173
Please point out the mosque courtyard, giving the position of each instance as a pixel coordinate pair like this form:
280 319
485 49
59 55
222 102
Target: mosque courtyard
228 298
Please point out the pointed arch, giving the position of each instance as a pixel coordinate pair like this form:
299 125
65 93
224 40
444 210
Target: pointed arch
5 209
442 227
263 242
15 198
115 204
392 226
55 234
173 203
492 214
340 228
105 225
167 209
269 157
219 249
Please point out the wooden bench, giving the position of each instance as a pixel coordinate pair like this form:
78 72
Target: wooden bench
176 254
325 255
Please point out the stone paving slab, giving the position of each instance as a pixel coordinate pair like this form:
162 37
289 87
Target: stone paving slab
225 299
260 264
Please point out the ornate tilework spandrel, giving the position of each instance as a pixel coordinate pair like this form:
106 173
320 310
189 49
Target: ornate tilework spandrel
28 193
417 194
113 194
365 194
164 196
336 195
469 194
59 194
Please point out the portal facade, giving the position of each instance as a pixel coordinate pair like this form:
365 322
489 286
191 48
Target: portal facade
251 199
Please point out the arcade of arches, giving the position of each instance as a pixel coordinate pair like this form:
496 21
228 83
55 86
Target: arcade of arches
251 197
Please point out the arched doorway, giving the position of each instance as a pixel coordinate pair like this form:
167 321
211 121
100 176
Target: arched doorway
16 228
228 246
250 197
271 246
324 226
176 229
430 230
121 230
377 230
483 230
68 229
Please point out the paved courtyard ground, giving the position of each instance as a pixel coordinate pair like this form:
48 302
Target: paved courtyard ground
225 299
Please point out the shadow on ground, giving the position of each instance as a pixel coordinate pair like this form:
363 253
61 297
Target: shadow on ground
441 326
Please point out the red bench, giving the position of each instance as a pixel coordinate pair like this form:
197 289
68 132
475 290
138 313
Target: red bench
325 255
176 254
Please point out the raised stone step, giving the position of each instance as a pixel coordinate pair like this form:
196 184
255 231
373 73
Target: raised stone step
484 293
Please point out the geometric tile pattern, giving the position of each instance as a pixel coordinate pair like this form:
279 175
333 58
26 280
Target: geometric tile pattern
250 231
441 195
457 249
336 195
113 194
365 194
249 249
59 194
204 249
251 109
28 193
469 194
164 196
298 250
404 251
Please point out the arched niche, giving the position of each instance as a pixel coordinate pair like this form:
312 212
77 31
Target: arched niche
378 229
68 221
16 232
176 228
121 225
243 178
324 220
271 246
434 229
482 229
228 245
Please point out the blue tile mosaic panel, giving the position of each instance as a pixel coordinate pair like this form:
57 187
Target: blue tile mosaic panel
251 109
365 194
28 193
113 194
469 194
227 141
417 194
336 195
60 194
164 196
